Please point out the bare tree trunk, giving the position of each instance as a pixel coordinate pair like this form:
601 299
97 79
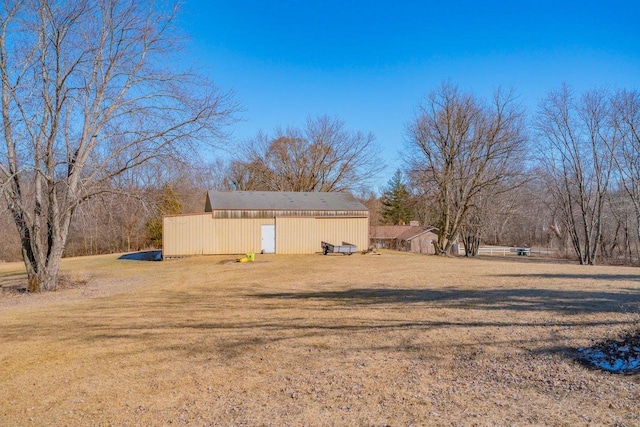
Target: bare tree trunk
579 163
463 150
87 94
471 245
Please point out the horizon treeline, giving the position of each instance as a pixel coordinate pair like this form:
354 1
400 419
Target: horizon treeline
482 171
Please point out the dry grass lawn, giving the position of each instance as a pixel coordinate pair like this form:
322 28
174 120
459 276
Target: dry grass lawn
396 339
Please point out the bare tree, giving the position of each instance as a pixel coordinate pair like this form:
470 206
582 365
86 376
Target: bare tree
242 175
626 121
576 136
118 220
507 217
88 92
619 240
373 203
113 222
323 156
460 151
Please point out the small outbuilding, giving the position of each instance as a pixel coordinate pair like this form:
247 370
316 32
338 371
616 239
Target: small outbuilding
237 222
410 238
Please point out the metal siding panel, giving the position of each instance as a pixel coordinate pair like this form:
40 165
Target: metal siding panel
296 236
237 236
182 234
350 230
167 237
221 242
193 242
209 235
167 243
201 234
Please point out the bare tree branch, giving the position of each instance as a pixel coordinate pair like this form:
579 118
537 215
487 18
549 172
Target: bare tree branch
462 151
323 156
88 92
576 137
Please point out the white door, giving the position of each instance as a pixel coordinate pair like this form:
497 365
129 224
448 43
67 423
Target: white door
268 239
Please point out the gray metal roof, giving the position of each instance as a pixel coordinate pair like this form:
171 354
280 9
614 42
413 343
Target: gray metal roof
286 200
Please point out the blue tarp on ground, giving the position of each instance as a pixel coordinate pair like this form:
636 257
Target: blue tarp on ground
143 256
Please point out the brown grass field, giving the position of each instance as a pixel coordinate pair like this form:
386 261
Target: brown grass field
395 339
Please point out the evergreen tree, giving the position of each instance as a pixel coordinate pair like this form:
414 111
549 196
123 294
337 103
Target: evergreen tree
397 206
167 203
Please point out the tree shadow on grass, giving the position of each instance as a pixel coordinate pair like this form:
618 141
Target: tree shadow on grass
12 275
172 318
566 302
13 280
602 277
174 330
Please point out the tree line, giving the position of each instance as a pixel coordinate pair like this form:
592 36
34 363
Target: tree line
103 131
567 177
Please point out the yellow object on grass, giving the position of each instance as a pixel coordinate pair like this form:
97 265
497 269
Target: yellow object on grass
247 258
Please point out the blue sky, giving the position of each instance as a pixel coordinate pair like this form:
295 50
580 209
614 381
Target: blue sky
370 63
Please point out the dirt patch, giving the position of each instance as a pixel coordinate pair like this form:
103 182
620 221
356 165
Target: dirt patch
80 278
396 339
